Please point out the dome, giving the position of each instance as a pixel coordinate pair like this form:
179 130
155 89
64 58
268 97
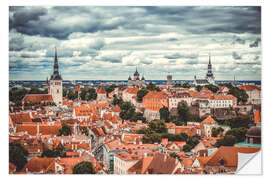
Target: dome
254 131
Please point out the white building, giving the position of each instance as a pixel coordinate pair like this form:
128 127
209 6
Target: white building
175 98
56 89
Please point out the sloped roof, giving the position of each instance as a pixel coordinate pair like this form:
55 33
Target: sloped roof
20 118
249 87
209 120
38 164
101 90
37 97
229 154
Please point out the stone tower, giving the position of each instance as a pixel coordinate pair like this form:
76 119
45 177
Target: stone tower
56 89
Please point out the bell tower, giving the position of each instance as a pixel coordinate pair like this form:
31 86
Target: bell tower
56 89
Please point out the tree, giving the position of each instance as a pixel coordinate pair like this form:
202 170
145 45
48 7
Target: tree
237 122
175 155
240 94
198 88
110 88
17 155
212 88
141 93
65 130
216 131
183 111
152 138
83 167
238 133
152 87
227 140
187 148
164 113
158 126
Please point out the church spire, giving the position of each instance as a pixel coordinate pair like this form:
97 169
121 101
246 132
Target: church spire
56 75
209 58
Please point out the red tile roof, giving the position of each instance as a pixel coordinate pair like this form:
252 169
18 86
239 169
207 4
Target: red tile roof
249 87
116 109
20 118
229 154
37 98
101 90
133 90
209 120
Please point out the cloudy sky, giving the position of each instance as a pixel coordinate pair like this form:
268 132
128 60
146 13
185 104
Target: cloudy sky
107 43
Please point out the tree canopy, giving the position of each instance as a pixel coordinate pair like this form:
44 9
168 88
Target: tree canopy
152 87
17 155
83 167
227 140
141 93
164 113
183 111
237 122
65 130
238 133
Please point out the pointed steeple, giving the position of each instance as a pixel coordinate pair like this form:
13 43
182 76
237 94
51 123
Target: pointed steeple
56 75
209 58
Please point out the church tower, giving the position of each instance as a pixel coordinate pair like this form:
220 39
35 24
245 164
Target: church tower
210 76
56 89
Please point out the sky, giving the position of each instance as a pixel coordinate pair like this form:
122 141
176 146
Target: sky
108 43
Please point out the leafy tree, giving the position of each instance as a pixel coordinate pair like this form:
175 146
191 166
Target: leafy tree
183 111
110 88
175 155
158 126
137 116
227 140
238 133
72 95
237 122
60 151
65 130
198 88
164 113
216 131
192 141
187 148
92 95
83 167
117 101
152 87
17 155
141 93
212 88
152 138
240 94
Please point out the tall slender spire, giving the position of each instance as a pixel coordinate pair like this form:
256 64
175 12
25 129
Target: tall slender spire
56 74
209 58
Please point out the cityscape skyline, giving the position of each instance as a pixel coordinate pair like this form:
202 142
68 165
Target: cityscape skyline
94 46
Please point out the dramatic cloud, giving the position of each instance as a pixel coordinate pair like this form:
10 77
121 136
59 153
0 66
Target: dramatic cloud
110 42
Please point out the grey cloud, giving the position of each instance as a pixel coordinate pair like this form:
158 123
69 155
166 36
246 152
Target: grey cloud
236 56
255 43
179 56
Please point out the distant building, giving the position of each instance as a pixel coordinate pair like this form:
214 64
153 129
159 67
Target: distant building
254 93
56 86
169 80
209 78
101 94
136 80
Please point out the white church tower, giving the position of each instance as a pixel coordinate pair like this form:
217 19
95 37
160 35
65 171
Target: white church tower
56 89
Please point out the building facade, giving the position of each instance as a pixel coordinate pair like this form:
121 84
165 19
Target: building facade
136 81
